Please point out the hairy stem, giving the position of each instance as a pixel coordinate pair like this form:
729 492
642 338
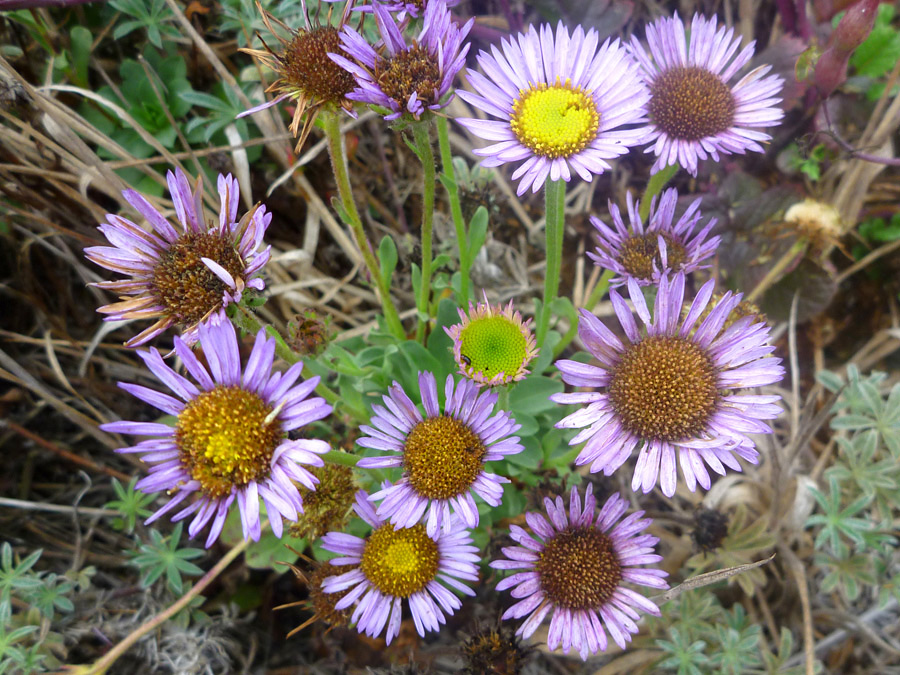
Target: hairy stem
462 237
654 187
554 198
338 154
422 136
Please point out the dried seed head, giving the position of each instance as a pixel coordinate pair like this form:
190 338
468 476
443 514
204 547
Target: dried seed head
494 651
307 68
327 508
710 529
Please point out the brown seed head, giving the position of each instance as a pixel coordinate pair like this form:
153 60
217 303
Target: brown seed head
442 457
664 388
690 103
307 68
579 569
327 508
494 651
184 285
710 529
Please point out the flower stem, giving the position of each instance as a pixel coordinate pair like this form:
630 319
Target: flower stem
422 136
503 397
462 237
338 154
554 198
654 187
339 457
102 665
777 270
599 290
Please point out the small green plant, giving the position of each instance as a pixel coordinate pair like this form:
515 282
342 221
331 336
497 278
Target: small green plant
131 503
154 16
162 556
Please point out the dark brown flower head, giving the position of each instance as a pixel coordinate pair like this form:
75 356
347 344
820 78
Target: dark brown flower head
321 604
327 507
710 529
494 650
413 71
690 103
579 568
664 387
308 334
639 253
306 75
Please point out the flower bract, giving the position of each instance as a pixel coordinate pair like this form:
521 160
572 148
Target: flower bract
442 455
395 564
181 277
574 566
670 389
694 112
562 104
230 439
662 246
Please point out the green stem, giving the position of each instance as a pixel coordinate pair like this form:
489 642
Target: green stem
554 198
654 187
462 237
422 136
102 665
503 397
338 457
599 290
338 154
775 272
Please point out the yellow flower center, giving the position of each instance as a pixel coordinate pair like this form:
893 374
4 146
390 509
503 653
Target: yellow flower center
442 457
555 120
638 254
400 562
578 568
664 388
184 285
491 345
690 103
227 439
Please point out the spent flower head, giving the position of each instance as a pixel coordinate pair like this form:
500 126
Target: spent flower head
230 439
395 564
561 104
187 277
320 603
442 455
646 253
671 389
574 567
694 112
406 79
306 75
492 345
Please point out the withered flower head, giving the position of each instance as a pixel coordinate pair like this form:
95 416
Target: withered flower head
328 506
306 75
494 650
320 603
308 334
710 529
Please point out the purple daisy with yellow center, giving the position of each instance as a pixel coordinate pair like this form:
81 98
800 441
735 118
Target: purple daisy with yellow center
492 345
671 389
562 105
442 455
230 439
406 79
694 112
575 565
185 277
393 564
647 253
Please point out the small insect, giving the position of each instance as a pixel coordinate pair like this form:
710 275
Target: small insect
465 359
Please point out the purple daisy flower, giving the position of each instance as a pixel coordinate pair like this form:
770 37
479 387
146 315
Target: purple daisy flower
694 112
575 566
671 387
648 253
403 78
442 455
393 564
187 277
404 9
230 436
561 104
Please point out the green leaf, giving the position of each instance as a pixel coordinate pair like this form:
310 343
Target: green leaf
387 256
531 395
81 40
477 231
879 53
